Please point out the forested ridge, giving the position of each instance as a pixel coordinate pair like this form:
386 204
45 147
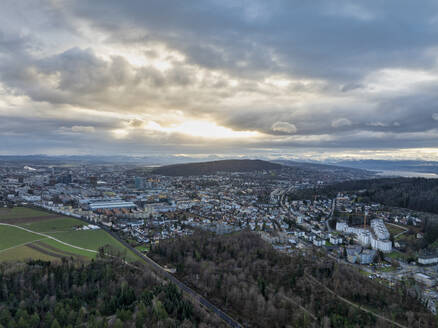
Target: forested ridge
417 194
261 287
104 293
208 168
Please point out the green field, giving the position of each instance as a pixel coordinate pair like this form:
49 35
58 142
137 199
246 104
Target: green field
143 248
69 249
10 236
394 230
17 244
92 239
22 253
20 212
398 256
62 224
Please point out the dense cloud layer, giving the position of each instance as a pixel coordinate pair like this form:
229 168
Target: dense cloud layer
218 76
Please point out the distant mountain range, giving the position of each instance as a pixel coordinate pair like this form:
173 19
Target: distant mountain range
208 168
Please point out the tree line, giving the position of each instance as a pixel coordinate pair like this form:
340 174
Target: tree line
103 293
418 194
262 287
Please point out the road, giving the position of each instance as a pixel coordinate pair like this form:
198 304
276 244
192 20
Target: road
331 215
158 269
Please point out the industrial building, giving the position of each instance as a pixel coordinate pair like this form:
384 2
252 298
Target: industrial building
111 205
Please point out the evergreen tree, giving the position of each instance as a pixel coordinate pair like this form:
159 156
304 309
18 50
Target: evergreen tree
118 323
55 324
34 320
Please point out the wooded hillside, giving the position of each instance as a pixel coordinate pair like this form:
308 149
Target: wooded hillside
418 194
261 287
208 168
104 293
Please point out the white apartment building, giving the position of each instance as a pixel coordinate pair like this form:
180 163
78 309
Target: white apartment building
380 236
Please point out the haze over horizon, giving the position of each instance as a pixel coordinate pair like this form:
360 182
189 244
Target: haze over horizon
317 80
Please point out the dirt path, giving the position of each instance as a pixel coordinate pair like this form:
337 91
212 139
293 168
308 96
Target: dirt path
296 304
59 251
398 226
314 280
49 237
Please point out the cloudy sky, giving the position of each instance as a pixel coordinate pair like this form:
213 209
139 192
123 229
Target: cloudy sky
275 78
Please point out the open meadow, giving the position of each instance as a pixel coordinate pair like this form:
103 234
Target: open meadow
27 233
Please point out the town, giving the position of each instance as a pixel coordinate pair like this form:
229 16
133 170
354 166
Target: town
145 208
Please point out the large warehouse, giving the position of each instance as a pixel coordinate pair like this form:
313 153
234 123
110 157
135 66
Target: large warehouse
111 205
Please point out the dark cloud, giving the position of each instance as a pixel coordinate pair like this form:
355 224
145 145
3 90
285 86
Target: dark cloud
319 38
334 74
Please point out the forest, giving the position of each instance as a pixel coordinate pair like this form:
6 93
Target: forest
261 287
104 293
417 194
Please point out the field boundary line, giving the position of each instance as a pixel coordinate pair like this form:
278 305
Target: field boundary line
58 231
23 244
49 237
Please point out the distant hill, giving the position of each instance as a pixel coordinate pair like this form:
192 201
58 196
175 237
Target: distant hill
392 165
207 168
318 166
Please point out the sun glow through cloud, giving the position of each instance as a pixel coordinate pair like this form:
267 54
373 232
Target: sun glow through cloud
191 128
120 133
203 129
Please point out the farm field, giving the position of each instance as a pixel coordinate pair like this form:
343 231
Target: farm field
24 252
44 227
20 212
58 224
11 236
91 239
